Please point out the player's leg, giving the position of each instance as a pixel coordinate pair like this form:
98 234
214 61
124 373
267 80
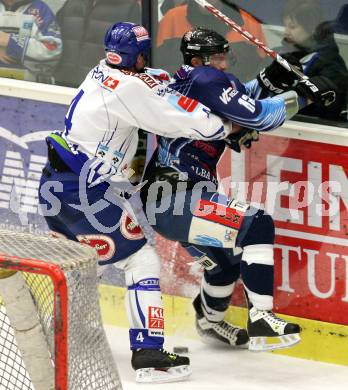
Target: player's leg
176 222
221 271
143 300
257 272
145 312
217 221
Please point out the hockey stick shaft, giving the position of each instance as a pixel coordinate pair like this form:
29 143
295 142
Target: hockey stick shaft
247 35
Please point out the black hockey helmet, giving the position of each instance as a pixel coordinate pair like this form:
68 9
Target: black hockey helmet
202 42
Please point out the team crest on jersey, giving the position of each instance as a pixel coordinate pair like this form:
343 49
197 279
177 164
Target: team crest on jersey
104 245
113 58
130 229
110 83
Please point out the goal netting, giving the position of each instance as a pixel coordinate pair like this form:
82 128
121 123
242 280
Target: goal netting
51 332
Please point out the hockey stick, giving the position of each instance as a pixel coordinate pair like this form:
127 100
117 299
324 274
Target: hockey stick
218 14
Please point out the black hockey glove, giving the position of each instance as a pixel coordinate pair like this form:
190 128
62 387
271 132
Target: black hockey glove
275 78
243 138
318 89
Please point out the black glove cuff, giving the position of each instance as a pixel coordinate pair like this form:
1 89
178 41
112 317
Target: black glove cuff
265 83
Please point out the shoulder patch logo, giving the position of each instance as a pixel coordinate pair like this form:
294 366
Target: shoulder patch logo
111 83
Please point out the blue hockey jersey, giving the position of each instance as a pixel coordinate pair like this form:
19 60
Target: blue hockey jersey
227 97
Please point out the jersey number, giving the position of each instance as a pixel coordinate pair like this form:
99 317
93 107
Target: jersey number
247 102
68 118
140 337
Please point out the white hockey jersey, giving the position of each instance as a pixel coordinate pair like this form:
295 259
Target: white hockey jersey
112 104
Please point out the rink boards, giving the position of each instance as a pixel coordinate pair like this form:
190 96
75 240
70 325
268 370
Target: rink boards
298 173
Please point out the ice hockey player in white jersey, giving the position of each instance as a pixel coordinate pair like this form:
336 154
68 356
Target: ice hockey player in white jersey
100 139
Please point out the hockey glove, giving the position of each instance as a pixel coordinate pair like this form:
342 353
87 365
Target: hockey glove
275 78
243 138
318 89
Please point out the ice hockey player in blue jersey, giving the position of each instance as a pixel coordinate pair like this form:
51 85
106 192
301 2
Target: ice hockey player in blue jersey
99 143
227 237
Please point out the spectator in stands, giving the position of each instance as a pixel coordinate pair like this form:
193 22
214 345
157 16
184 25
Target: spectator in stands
30 42
311 40
341 22
184 17
83 24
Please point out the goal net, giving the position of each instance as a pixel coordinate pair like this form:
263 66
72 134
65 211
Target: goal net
51 333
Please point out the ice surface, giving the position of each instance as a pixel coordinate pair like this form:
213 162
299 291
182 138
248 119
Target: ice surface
227 369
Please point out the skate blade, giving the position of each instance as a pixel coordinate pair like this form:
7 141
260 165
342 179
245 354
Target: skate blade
172 374
261 344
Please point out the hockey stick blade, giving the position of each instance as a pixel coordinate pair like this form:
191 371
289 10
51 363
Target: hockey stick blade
248 36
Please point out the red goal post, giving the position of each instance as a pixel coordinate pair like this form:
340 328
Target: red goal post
60 309
50 318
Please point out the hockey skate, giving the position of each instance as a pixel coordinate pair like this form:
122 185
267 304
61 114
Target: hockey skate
268 332
158 365
218 332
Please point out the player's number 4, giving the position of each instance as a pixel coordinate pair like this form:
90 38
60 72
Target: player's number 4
140 337
69 115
